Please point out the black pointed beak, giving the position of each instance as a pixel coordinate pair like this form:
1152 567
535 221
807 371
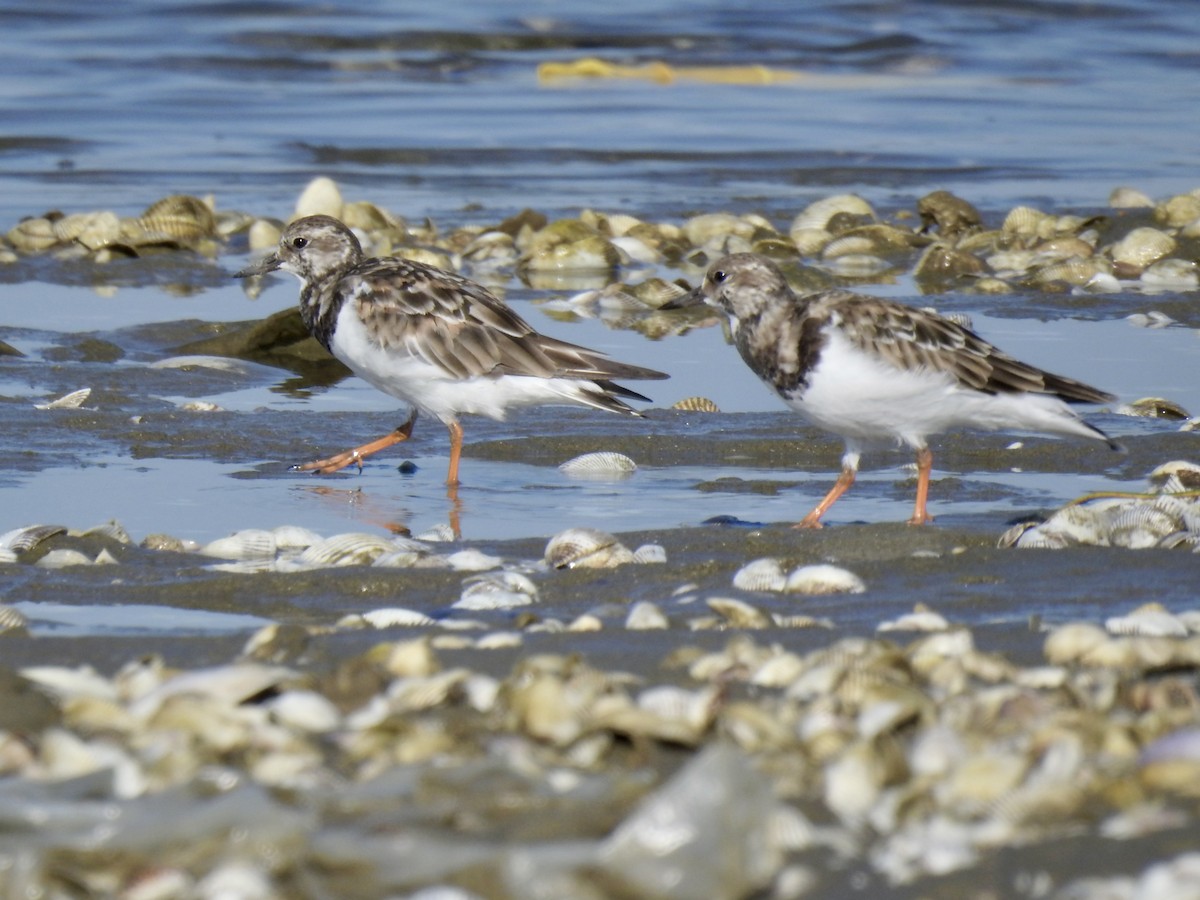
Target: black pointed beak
268 263
693 297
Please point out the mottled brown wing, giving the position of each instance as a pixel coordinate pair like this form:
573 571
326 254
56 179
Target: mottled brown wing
463 328
914 338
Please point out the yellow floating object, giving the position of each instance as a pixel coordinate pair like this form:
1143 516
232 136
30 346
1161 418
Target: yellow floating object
662 73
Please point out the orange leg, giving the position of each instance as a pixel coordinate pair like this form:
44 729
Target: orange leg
455 510
921 515
813 519
456 438
358 454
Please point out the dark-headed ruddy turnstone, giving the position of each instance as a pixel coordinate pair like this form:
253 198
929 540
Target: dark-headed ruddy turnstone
873 370
443 344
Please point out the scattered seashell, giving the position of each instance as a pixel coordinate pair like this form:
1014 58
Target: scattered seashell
601 464
922 618
761 575
62 558
12 619
823 579
1154 408
350 549
645 616
650 554
497 590
585 548
247 544
696 404
22 540
320 197
396 617
1149 619
739 614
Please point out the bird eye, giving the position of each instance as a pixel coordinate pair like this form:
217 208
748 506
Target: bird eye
299 242
717 277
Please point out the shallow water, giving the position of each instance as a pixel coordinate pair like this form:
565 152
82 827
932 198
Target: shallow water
437 111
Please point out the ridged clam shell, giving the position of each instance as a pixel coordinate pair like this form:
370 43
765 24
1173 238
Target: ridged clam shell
1140 525
823 578
1178 274
397 617
247 544
92 229
1036 538
294 537
696 404
1142 246
1151 619
1154 408
760 575
739 613
645 616
62 558
1027 222
497 590
1176 476
33 235
922 618
1129 198
350 549
600 464
1086 524
650 554
585 548
320 197
818 214
111 529
12 619
21 540
1178 211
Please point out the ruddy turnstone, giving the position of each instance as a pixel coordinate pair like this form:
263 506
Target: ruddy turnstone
443 344
873 370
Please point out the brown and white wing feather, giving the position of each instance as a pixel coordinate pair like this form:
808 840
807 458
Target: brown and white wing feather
463 328
913 338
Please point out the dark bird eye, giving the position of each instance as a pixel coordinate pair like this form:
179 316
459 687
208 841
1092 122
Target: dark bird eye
717 277
299 242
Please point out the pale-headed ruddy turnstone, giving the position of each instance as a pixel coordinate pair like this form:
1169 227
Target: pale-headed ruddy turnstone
443 344
872 370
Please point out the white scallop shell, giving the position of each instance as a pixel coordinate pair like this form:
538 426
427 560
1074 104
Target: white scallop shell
1151 620
922 618
12 618
816 216
249 543
586 548
294 537
396 617
349 549
23 539
650 553
823 579
760 575
497 590
601 464
1142 246
62 558
645 616
739 613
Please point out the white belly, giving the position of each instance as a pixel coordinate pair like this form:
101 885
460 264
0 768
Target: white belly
435 392
868 400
